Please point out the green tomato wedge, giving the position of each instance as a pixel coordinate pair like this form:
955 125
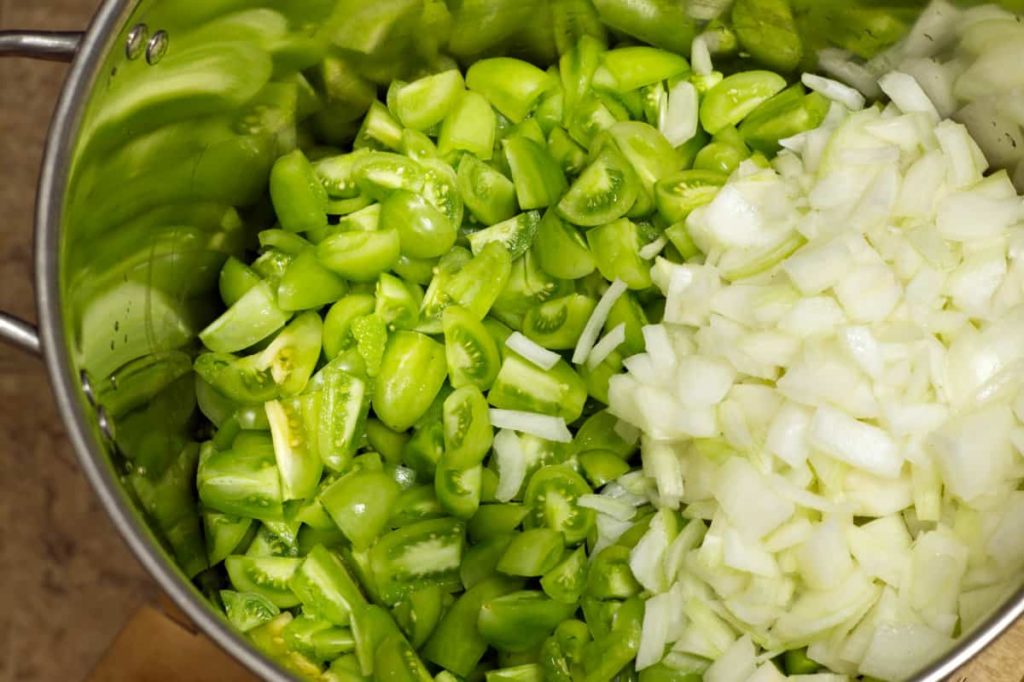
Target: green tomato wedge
521 621
532 553
628 312
557 324
516 234
236 278
458 489
678 195
441 189
605 191
419 613
425 232
398 303
565 582
616 247
360 504
471 352
576 69
610 576
569 155
360 256
295 445
788 113
648 152
467 428
299 198
416 556
602 466
471 127
344 404
326 587
512 86
243 481
424 103
371 335
234 379
224 533
389 444
767 30
521 385
489 195
247 610
336 174
551 496
538 177
292 355
477 285
495 520
266 576
379 129
415 504
737 96
560 249
528 285
308 285
661 23
252 318
631 68
410 376
378 174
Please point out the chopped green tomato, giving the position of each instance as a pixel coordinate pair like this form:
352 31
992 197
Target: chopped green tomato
527 287
495 520
661 672
243 481
292 355
338 323
411 374
569 155
538 177
286 242
516 234
398 304
680 194
551 496
336 174
425 232
378 174
326 587
270 265
423 451
576 68
456 644
737 96
489 195
379 129
602 466
788 113
360 503
532 553
721 157
565 582
467 428
364 220
471 126
269 638
616 248
528 672
631 68
295 447
317 638
605 191
648 152
360 256
415 556
796 662
598 378
307 285
522 385
424 103
520 621
481 560
371 335
419 613
557 324
417 145
610 576
560 249
341 207
299 198
458 489
605 657
234 379
390 444
224 533
628 312
345 669
395 659
475 286
236 278
767 30
265 576
344 403
252 318
512 86
416 270
247 610
661 23
471 353
417 503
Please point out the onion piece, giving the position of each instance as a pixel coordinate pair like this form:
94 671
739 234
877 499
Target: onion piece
540 425
511 463
603 504
606 346
594 325
532 351
835 91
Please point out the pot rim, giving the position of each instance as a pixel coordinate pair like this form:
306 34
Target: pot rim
64 127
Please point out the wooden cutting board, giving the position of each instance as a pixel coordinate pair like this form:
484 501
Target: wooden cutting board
142 652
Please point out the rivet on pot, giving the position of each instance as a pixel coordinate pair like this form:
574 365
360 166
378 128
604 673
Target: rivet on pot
157 47
87 390
105 424
136 41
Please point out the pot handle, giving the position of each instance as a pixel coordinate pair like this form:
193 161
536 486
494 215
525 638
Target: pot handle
51 46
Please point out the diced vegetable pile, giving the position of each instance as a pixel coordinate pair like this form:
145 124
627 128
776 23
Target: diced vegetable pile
623 369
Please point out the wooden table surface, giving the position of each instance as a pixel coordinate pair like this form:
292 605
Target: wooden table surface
69 585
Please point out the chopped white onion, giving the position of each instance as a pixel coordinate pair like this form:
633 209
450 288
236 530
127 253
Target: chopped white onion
835 91
680 114
592 329
606 346
604 504
532 351
511 465
540 425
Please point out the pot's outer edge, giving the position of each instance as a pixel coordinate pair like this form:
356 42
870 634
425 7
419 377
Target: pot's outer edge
82 432
99 40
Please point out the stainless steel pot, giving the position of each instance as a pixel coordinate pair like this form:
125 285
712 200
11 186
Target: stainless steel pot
83 356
